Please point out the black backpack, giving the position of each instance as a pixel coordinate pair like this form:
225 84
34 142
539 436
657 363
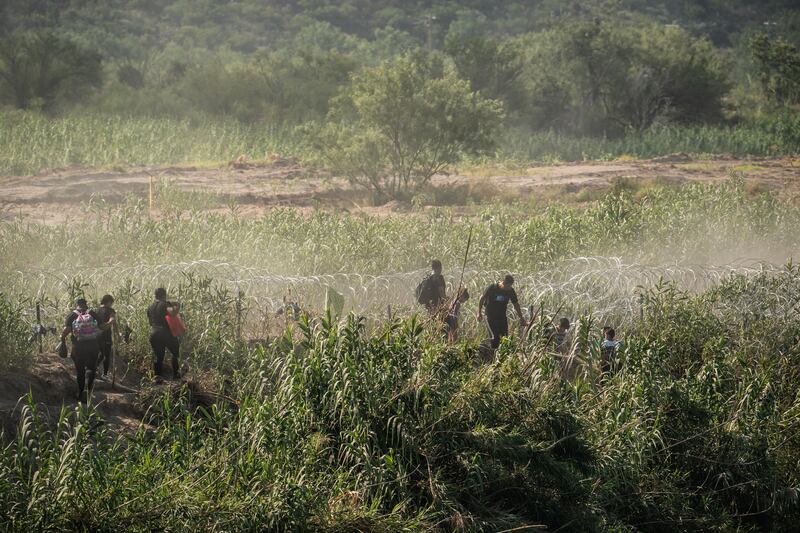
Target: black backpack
424 290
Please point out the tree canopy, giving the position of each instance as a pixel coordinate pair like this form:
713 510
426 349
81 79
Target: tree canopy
595 67
408 120
36 69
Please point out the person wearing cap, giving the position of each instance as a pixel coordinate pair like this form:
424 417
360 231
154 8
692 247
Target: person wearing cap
495 299
84 329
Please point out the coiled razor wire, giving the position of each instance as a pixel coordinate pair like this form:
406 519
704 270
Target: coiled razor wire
604 286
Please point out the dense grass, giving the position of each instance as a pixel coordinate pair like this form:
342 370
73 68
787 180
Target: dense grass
774 137
31 143
690 224
353 425
336 429
15 350
376 261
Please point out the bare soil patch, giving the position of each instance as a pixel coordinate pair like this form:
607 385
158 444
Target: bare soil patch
54 196
52 386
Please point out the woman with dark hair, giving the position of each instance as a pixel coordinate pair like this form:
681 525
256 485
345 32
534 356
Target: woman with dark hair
104 314
161 338
83 327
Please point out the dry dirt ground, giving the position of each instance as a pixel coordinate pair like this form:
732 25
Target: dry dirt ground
51 197
120 405
51 384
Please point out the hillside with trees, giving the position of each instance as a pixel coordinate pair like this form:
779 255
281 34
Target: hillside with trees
598 67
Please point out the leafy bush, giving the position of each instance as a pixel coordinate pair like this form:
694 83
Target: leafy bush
778 63
598 78
15 350
37 70
411 119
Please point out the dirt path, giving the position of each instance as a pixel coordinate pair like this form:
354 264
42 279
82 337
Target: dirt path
52 196
51 383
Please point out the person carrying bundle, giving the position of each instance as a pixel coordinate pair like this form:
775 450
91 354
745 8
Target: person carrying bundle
495 298
161 336
84 329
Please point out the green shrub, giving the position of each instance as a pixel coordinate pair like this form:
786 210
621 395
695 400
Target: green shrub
15 349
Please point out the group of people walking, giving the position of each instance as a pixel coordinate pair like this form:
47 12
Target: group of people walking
91 333
431 292
90 330
92 339
493 306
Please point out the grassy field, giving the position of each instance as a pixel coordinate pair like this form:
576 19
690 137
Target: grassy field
337 428
739 141
33 143
369 423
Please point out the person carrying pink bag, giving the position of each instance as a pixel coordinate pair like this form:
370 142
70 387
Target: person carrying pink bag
166 328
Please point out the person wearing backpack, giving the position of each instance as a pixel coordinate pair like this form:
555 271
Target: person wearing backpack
161 337
104 314
431 291
84 328
495 298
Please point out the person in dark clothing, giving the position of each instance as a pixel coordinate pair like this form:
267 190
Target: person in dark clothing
495 298
161 338
104 313
431 292
84 329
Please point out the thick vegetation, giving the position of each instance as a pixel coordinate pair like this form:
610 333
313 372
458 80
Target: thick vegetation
32 142
372 421
342 425
338 429
410 121
602 74
706 224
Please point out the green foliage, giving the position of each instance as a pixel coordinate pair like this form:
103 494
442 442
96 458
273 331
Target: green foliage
687 224
648 62
778 63
370 424
492 68
334 428
603 78
32 142
770 136
15 350
39 70
411 119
